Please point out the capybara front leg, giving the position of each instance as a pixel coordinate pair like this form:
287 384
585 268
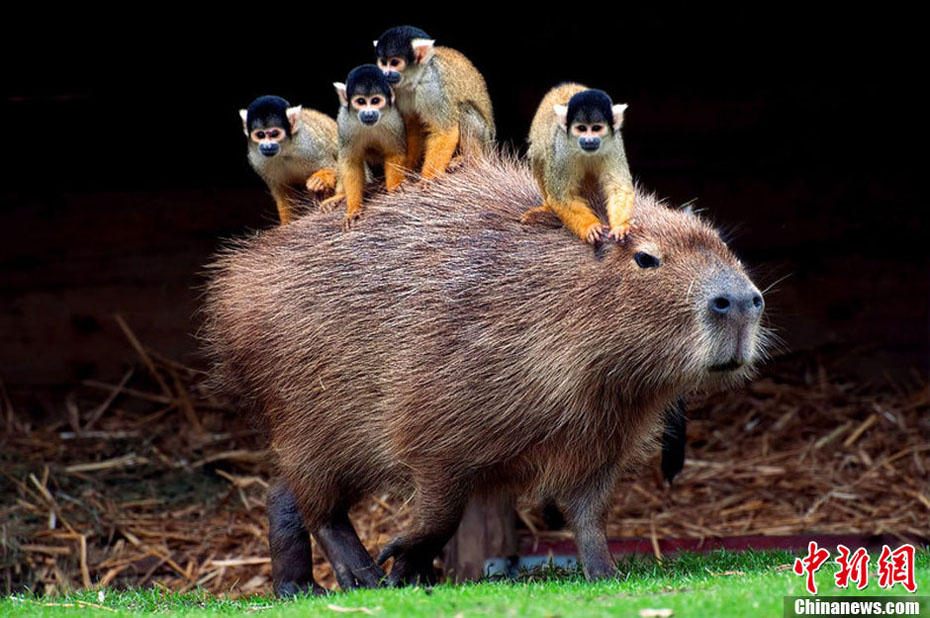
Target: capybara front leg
438 511
289 542
351 562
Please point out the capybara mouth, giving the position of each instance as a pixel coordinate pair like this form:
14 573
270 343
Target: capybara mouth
730 365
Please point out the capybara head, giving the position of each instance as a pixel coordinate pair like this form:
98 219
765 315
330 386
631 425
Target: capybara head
676 298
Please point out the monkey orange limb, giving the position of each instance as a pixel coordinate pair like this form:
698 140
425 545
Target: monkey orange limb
322 180
285 212
394 171
620 209
414 132
577 216
440 146
353 181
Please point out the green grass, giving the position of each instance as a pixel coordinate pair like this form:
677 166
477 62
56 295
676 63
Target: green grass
689 584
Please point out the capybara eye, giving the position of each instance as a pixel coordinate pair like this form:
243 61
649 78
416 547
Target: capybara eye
644 260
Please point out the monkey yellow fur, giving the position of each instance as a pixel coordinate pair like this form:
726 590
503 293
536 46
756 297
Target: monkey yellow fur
575 144
441 95
290 148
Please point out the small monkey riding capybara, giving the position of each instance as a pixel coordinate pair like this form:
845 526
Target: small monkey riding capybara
442 349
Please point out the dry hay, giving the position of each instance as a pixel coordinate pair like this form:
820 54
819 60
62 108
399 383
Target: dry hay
151 482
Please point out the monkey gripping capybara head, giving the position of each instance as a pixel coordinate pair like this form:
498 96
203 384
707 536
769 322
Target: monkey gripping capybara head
443 349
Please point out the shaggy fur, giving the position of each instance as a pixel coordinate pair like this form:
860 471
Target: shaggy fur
442 347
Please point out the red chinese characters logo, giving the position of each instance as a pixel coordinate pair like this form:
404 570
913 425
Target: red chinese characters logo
897 567
855 567
894 567
810 564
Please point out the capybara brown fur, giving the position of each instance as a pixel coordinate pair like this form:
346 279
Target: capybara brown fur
443 349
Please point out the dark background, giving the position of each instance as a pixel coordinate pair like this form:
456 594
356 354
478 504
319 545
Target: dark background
798 131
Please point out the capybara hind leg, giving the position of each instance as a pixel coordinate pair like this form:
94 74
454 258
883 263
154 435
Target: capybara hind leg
351 562
438 511
587 511
289 542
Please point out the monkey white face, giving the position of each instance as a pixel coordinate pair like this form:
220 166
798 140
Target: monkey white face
268 140
369 108
590 136
393 69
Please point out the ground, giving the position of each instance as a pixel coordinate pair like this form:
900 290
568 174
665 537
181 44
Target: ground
717 584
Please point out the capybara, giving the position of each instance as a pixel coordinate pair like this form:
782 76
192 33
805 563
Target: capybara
442 349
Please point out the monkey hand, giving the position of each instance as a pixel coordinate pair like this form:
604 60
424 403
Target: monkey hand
621 232
321 180
329 204
595 233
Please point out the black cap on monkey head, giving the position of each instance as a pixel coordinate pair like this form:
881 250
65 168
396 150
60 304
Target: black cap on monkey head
396 42
367 80
590 106
268 111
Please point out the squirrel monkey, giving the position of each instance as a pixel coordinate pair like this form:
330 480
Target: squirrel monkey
290 147
440 94
371 131
575 141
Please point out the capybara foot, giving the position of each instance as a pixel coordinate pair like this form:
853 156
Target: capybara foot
292 588
413 564
355 576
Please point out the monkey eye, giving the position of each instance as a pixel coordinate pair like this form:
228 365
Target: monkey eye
394 62
360 101
375 100
260 134
273 133
644 260
581 128
596 128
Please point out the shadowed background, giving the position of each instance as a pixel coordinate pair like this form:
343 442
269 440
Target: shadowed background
125 162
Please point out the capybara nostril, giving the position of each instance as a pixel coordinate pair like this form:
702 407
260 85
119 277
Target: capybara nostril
731 305
721 305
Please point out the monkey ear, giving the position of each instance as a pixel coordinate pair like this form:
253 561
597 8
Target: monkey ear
341 91
422 50
244 114
375 42
293 116
618 115
561 112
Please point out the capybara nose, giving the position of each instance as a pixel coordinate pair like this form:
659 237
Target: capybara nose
728 304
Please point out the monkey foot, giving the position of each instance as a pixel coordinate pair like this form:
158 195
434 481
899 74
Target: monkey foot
456 163
350 220
295 589
540 215
595 233
330 204
621 232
